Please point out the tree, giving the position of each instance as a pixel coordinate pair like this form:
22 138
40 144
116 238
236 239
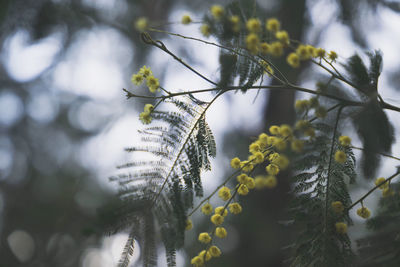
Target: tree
322 163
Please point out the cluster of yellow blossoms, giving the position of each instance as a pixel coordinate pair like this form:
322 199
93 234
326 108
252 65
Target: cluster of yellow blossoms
384 186
340 156
217 219
338 208
152 83
265 149
146 74
267 39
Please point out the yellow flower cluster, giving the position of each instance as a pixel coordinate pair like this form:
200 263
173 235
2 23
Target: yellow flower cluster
337 207
141 24
344 141
235 21
146 73
217 12
186 19
217 219
384 186
145 116
205 29
340 156
267 67
305 105
364 212
341 227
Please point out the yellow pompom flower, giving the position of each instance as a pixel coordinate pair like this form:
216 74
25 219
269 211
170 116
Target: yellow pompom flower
148 108
270 181
274 129
280 144
387 192
285 130
217 219
311 50
364 212
253 25
220 232
152 83
217 11
242 178
293 60
137 79
235 163
235 20
145 71
264 48
273 156
259 182
186 20
246 166
204 238
303 52
272 169
310 132
301 105
271 140
250 183
258 157
282 161
243 190
205 29
197 261
207 209
205 255
344 140
262 138
340 156
235 208
276 49
319 52
252 42
379 181
224 193
302 125
341 227
145 117
283 37
332 56
141 24
221 211
267 68
337 206
272 25
214 251
320 112
189 225
254 147
297 145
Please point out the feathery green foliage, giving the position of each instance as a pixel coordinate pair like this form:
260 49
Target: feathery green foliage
382 247
370 121
318 182
158 192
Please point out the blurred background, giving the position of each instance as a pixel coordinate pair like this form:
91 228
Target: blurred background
64 119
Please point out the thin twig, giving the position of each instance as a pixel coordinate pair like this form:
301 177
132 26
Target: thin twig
382 154
373 189
329 166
